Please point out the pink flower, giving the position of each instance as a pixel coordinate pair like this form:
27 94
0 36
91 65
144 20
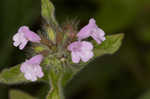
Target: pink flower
24 35
31 68
81 50
92 30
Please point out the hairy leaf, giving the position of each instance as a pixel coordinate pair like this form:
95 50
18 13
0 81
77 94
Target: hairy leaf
109 46
12 76
16 94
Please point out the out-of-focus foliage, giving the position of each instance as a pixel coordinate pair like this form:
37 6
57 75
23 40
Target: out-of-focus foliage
14 13
125 75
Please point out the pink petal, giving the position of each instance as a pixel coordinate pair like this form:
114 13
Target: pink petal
36 59
74 46
86 30
23 29
83 33
75 57
98 35
87 45
33 37
92 30
92 21
71 46
81 50
16 37
16 44
19 40
39 72
86 55
22 45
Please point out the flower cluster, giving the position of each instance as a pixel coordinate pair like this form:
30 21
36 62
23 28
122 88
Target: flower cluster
83 49
80 49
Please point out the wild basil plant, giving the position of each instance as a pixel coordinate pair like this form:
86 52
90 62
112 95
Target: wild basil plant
58 52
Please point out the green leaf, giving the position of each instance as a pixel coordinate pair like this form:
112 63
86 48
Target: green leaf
48 11
12 76
109 46
16 94
145 95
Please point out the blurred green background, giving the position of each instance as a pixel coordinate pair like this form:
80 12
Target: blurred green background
124 75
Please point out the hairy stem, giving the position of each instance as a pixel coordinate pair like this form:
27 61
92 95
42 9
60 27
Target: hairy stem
56 91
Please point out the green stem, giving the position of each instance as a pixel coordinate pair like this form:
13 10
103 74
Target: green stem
56 91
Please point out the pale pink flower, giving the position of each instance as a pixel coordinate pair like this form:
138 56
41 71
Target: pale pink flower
81 50
24 35
32 69
92 30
